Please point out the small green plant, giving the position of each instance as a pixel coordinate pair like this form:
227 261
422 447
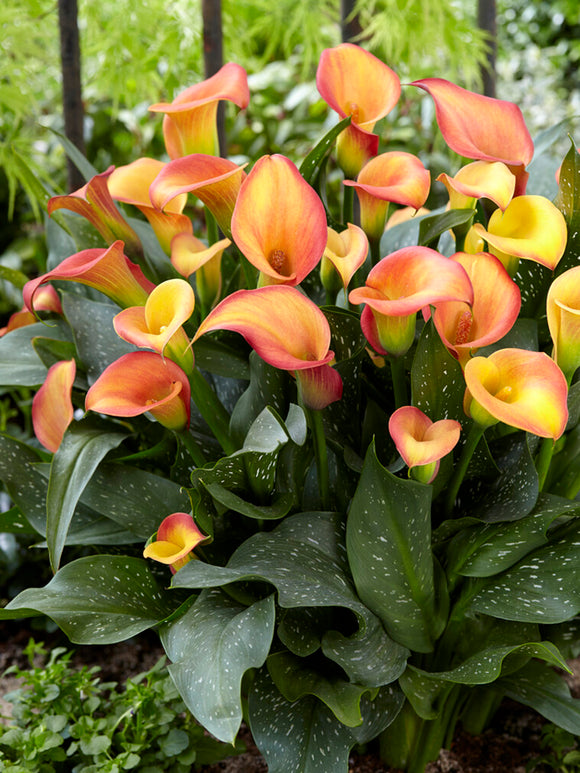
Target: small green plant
68 719
561 750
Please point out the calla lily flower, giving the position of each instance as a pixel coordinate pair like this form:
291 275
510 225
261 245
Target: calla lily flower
108 270
94 202
531 227
355 83
421 442
46 299
215 181
465 328
401 284
481 127
190 256
563 309
52 408
523 389
288 331
480 180
345 252
279 222
190 125
143 382
396 177
131 184
176 538
158 324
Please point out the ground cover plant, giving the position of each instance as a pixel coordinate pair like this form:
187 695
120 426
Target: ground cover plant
330 455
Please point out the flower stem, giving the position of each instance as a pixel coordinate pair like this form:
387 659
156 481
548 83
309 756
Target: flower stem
320 454
194 451
399 383
348 204
212 410
375 245
543 460
473 438
212 228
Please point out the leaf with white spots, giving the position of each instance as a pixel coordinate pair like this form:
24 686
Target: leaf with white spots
211 647
305 736
388 540
98 600
20 364
568 202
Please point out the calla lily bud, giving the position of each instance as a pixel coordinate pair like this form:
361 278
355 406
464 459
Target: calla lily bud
563 309
175 540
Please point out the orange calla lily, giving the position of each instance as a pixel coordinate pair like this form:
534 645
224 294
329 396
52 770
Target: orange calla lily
190 256
400 285
215 181
396 177
108 270
130 184
143 382
189 125
52 408
176 538
421 442
480 180
94 202
521 388
345 252
531 227
158 324
355 83
481 127
465 328
563 309
288 331
46 299
279 222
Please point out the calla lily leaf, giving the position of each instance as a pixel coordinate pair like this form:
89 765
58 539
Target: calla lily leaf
310 165
432 227
20 364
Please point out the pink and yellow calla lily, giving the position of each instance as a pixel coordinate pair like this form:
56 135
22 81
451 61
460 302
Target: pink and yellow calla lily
481 127
344 254
46 299
563 309
288 331
521 388
279 222
421 442
189 125
531 227
130 184
158 324
190 256
215 181
52 408
480 180
395 177
464 328
143 382
94 202
175 540
400 285
355 83
108 270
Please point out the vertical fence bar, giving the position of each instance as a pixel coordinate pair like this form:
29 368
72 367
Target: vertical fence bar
349 23
486 20
70 55
213 56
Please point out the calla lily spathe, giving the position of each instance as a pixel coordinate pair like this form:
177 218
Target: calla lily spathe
395 177
108 270
52 408
189 125
421 442
215 181
345 252
279 222
563 310
355 83
158 324
176 538
480 180
531 227
521 388
398 287
481 127
143 382
288 331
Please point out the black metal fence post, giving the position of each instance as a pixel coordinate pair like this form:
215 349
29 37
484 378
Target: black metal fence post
349 24
486 20
70 55
213 56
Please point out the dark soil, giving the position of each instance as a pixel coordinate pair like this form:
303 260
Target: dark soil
506 747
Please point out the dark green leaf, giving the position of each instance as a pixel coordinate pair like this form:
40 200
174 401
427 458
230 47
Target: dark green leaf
82 164
20 364
309 166
216 355
50 351
431 227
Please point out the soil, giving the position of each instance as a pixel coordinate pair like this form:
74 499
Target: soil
506 747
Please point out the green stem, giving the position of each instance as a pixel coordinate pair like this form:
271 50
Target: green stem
348 204
194 451
375 245
543 460
399 382
320 454
212 410
473 438
212 228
